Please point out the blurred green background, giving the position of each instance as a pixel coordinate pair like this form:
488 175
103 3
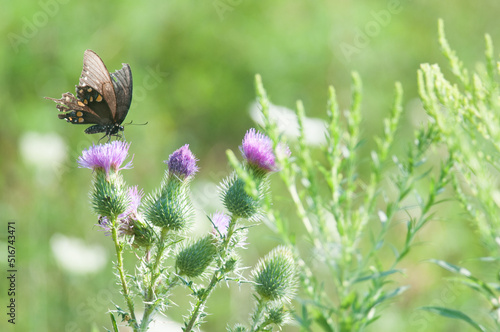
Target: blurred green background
193 65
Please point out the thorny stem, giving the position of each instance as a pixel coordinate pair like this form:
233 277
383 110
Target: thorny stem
217 276
149 299
121 272
257 316
202 299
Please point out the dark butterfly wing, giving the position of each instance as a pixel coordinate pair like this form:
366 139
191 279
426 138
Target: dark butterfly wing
122 83
74 110
96 75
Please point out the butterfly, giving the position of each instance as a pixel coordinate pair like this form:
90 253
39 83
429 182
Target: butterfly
102 98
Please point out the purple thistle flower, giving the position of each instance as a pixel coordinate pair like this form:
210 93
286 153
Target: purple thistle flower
105 156
257 149
126 219
221 222
182 162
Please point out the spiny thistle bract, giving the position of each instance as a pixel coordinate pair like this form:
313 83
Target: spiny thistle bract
275 276
193 259
171 207
238 202
108 196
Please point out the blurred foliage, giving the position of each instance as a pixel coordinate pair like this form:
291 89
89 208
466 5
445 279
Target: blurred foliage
193 65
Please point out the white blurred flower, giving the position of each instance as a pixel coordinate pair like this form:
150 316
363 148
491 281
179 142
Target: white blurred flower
286 120
46 153
75 256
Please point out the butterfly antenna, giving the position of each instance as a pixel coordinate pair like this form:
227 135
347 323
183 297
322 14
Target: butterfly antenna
136 124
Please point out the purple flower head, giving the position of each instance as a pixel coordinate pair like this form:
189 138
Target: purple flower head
126 219
257 149
105 156
182 162
221 222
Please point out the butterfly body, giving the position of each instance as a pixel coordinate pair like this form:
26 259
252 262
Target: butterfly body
102 98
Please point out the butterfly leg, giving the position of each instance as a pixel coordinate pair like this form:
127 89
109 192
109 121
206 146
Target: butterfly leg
103 137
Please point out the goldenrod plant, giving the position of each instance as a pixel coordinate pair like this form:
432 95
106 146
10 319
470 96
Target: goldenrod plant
347 218
465 109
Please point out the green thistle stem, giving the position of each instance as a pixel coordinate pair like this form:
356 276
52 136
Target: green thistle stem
201 301
155 274
121 272
217 276
257 316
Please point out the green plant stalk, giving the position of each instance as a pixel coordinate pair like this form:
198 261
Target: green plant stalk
306 165
155 274
390 127
353 124
201 301
121 272
333 176
216 277
437 187
382 154
257 316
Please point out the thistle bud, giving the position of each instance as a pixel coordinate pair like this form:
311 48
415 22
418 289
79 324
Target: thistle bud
193 259
238 201
171 207
275 276
143 233
230 265
278 315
